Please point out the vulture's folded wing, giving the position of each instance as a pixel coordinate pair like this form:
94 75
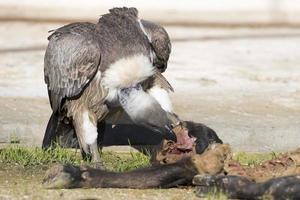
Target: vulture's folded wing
71 61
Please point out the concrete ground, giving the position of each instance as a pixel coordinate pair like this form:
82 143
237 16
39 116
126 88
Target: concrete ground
242 82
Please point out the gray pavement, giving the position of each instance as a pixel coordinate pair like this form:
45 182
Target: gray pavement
242 82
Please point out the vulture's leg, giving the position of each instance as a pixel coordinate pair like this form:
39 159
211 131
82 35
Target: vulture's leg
145 110
85 124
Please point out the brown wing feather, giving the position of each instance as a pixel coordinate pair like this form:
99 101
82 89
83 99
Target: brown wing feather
71 61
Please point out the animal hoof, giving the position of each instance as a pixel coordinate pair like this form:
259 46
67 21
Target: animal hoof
61 176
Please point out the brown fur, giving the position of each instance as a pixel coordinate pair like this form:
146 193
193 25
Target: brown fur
212 160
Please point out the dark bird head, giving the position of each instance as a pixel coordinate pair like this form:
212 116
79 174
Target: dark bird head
160 42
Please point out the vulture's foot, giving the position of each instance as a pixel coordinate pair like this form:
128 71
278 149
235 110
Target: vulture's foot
96 158
98 165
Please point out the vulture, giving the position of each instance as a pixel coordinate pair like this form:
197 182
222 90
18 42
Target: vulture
92 70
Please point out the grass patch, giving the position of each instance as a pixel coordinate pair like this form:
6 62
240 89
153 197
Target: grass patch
31 157
34 157
119 162
252 159
125 161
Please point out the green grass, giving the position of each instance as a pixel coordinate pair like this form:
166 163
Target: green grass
252 159
31 157
125 161
35 157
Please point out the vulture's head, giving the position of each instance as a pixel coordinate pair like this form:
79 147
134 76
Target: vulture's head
160 42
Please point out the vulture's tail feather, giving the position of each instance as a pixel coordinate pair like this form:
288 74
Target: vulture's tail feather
51 131
61 133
